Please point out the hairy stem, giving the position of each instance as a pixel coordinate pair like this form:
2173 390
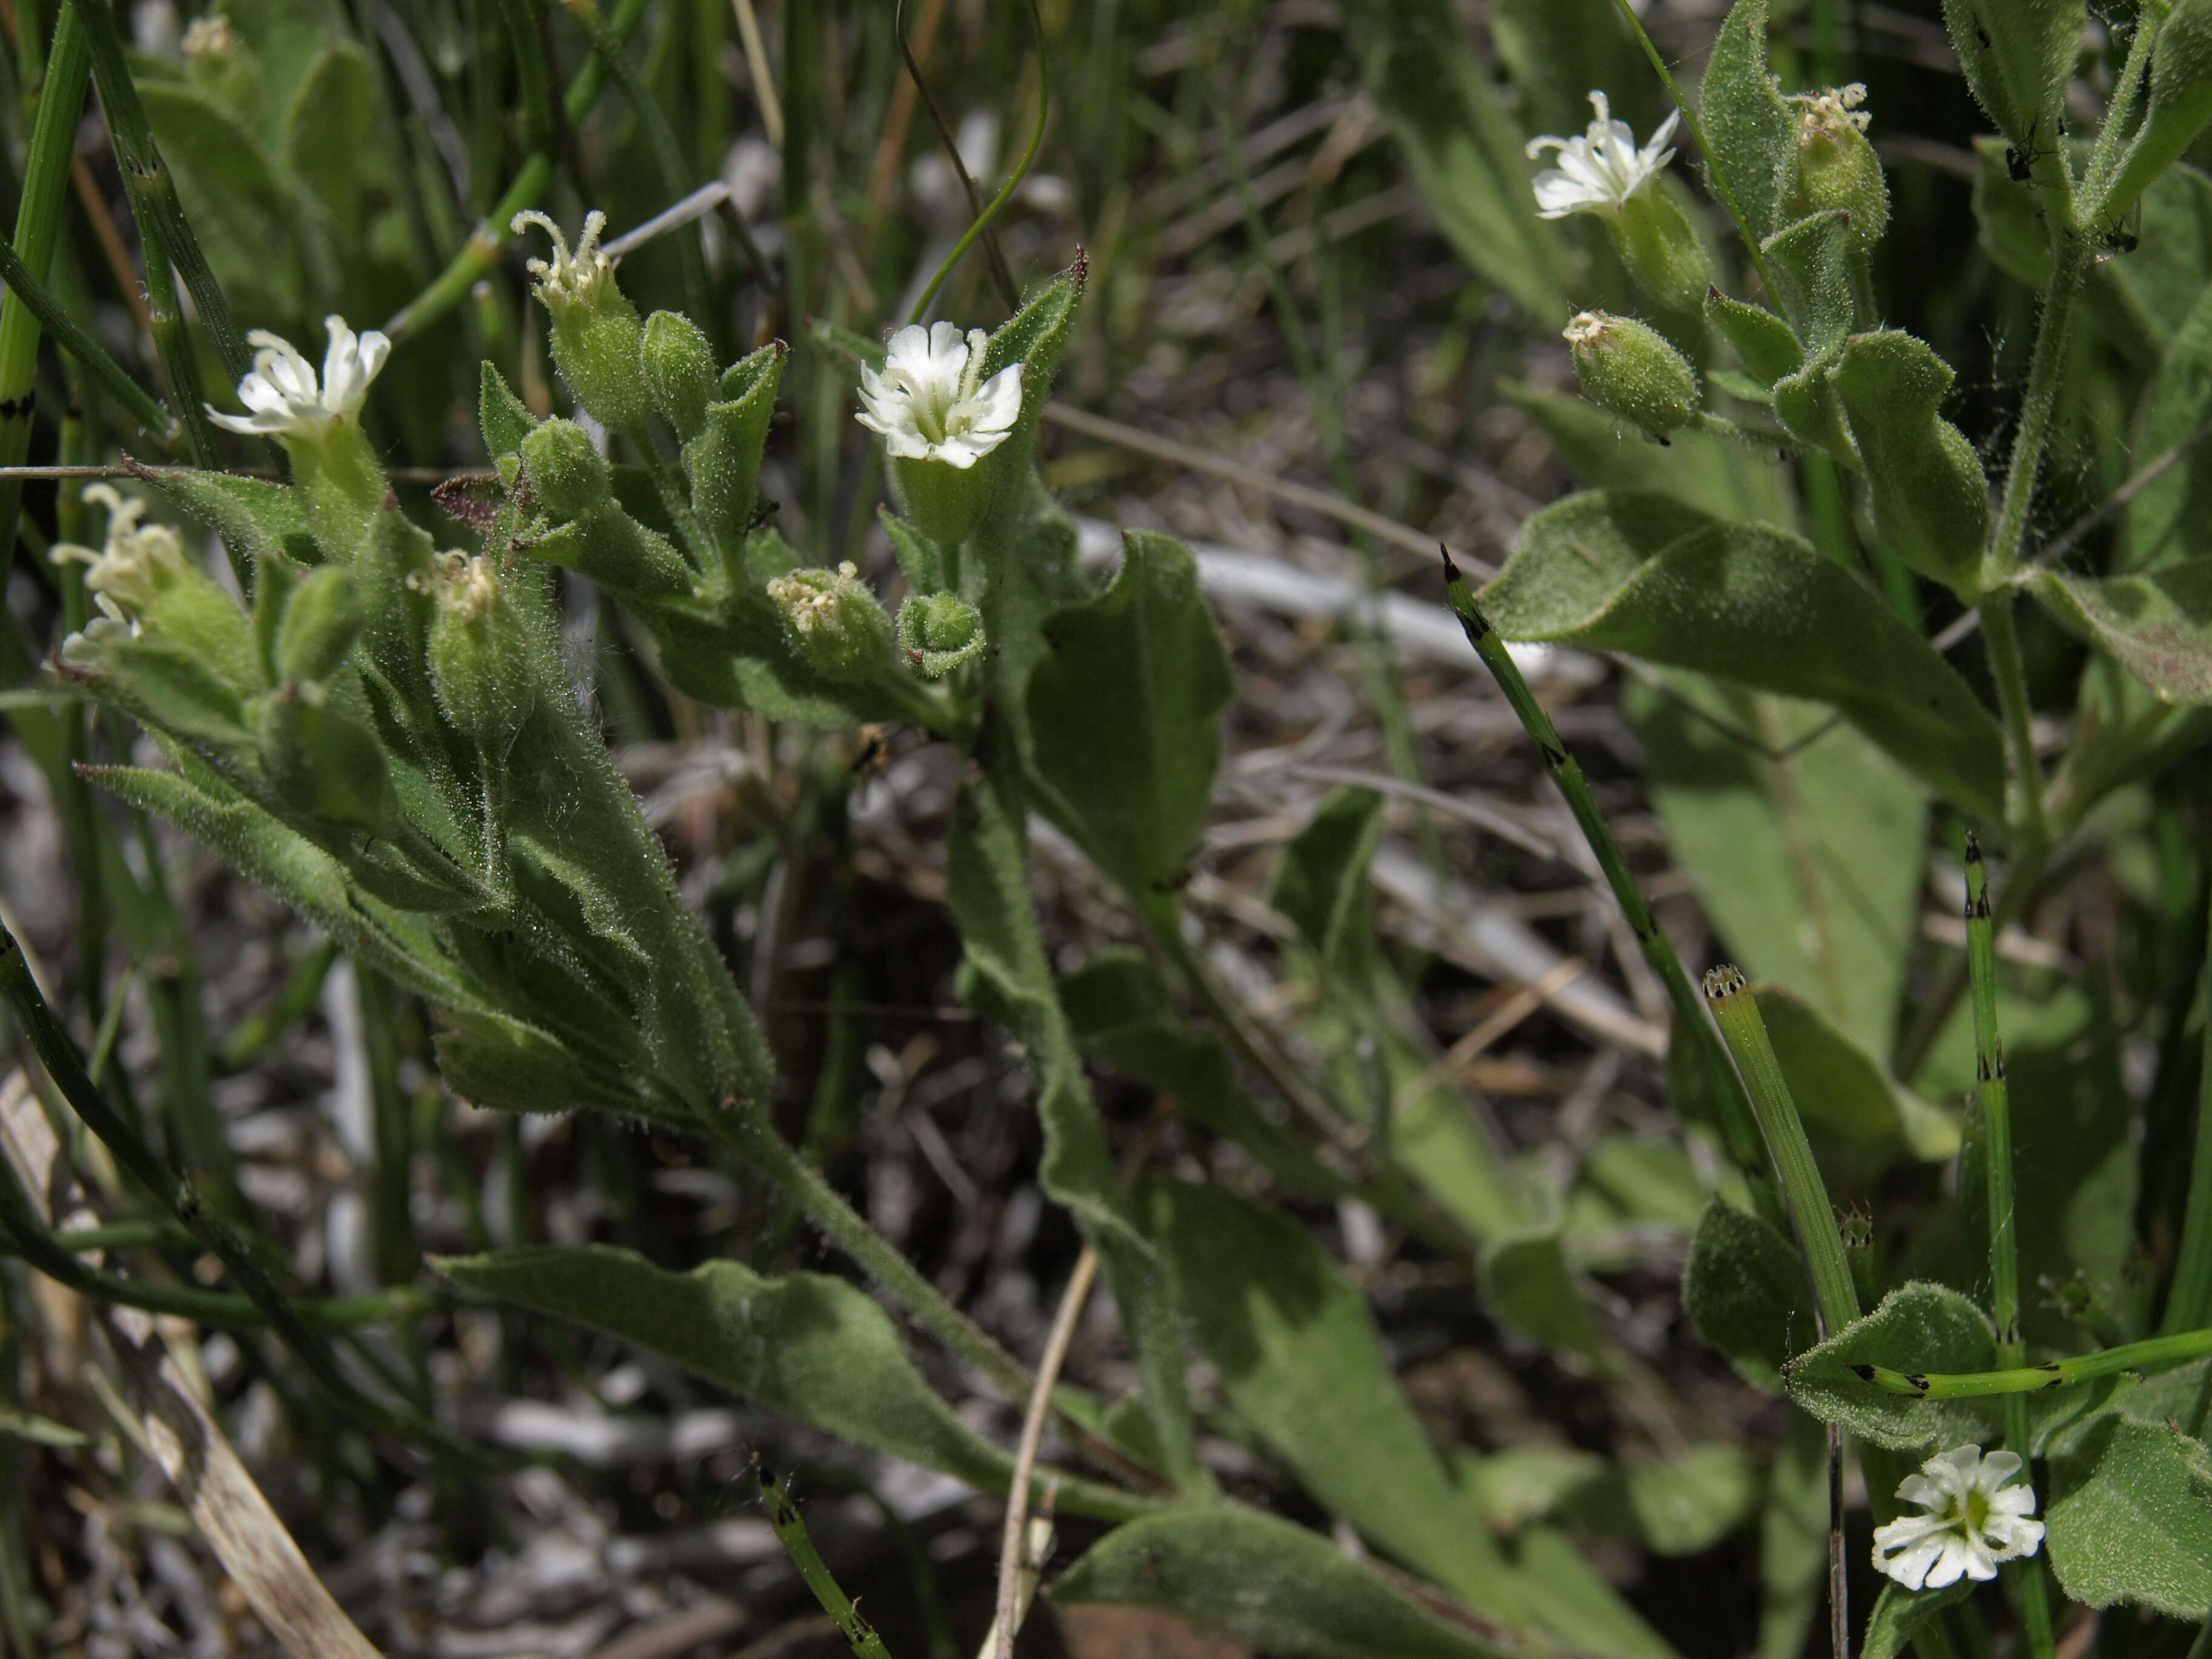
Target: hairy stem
2005 668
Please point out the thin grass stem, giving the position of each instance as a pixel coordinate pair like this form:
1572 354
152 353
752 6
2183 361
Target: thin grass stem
2153 1353
93 357
1739 1122
982 224
2189 1302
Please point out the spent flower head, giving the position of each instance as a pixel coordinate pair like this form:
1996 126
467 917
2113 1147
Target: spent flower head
1599 171
137 563
1830 114
568 279
286 399
931 402
1972 1520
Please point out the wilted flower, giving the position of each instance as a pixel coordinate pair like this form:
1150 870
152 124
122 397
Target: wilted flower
1600 170
930 401
1837 167
1972 1520
833 620
137 564
286 400
568 278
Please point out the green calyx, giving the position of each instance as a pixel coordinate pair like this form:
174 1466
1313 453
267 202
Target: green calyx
938 632
567 474
833 622
1659 247
1628 368
479 654
325 760
947 501
679 371
1837 167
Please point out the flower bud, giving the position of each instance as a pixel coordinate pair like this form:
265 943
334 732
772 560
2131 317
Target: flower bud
833 622
142 577
597 338
324 761
938 632
1657 244
679 369
615 550
322 620
1628 368
568 475
479 654
1837 167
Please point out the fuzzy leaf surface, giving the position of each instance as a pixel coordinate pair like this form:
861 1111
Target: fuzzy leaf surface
1920 1327
2157 625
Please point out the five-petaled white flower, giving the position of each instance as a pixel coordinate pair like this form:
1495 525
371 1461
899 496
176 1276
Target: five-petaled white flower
568 279
283 392
930 401
1972 1520
1600 170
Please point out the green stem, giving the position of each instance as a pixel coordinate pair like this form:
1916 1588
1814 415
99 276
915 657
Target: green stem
173 344
153 189
1013 180
1998 1172
1713 175
2189 1302
1736 1010
2069 263
2156 1352
791 1531
1739 1120
758 1143
135 401
2110 150
489 239
2005 668
38 226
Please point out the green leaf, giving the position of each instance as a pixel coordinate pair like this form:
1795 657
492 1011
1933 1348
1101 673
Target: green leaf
1005 970
1266 1584
1520 1484
2171 518
1751 135
2018 55
723 462
1120 1013
1463 152
2158 626
1930 497
1810 260
504 420
1640 574
1321 884
811 1346
2008 223
1918 1328
1762 339
2130 1515
1744 1288
1715 475
1301 1361
2180 101
1686 1503
2158 285
1804 843
326 132
1125 710
1843 1089
1033 337
254 516
1526 1282
1898 1612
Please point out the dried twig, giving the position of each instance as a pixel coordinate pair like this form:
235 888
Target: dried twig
1011 1546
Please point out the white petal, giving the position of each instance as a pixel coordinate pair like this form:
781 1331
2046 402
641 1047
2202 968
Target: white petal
1996 1468
997 403
2013 1501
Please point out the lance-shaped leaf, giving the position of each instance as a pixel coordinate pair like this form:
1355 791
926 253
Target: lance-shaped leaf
2157 626
1033 337
1752 132
1640 573
327 131
1842 1089
1899 1611
1124 713
1271 1585
2017 55
252 515
1321 882
814 1348
1005 972
1810 261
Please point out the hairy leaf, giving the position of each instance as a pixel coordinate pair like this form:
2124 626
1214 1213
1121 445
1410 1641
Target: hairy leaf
1640 573
2130 1515
1744 1288
2158 626
2017 55
1753 133
1918 1328
1899 1611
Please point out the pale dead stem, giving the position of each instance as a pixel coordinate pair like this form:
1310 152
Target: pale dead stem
1012 1551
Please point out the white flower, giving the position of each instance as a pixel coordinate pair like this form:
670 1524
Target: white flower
1972 1520
568 278
927 404
283 392
1831 114
1600 170
137 564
